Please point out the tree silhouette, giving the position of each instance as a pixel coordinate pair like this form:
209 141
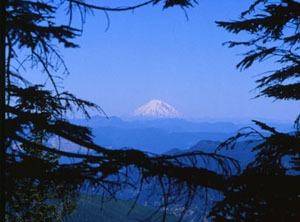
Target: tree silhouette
36 196
28 110
268 189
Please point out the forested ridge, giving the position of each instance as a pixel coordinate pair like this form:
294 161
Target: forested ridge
95 208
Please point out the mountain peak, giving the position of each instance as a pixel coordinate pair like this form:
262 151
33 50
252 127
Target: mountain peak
157 108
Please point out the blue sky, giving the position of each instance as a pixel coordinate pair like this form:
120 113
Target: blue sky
157 54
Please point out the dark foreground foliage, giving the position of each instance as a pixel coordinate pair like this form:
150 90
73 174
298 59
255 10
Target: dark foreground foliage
267 190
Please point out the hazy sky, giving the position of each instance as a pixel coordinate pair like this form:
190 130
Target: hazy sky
157 54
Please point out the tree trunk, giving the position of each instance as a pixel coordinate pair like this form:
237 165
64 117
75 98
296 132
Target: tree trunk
2 108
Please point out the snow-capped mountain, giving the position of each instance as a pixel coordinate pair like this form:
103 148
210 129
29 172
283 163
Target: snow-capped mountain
157 108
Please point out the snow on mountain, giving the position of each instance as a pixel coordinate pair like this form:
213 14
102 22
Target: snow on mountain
157 108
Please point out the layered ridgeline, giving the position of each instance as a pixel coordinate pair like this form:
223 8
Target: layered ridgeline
156 135
157 109
158 127
155 127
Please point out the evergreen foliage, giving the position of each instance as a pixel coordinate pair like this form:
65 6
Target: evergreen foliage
36 196
275 31
268 189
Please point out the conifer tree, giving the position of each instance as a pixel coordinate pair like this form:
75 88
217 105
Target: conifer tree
268 189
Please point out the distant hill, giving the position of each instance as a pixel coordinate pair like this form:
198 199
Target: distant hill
155 135
241 152
90 209
167 124
173 124
150 139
